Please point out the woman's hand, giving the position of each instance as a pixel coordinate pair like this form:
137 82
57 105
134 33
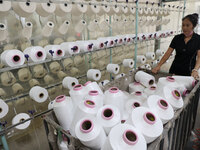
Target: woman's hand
156 69
195 74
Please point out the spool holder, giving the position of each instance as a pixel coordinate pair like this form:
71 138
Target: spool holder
59 59
51 52
26 56
3 123
32 112
76 2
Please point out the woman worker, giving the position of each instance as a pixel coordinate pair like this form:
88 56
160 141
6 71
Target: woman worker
187 46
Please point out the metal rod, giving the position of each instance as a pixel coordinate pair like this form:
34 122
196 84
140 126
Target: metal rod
136 34
110 33
158 28
3 140
179 14
184 7
76 2
2 132
90 54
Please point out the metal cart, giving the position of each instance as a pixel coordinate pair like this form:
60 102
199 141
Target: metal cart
175 134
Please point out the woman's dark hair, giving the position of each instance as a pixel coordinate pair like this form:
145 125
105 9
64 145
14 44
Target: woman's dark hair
193 18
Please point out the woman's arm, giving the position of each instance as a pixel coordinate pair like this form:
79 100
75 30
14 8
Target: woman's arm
197 66
163 60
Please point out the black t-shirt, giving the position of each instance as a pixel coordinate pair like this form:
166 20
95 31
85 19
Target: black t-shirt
185 58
